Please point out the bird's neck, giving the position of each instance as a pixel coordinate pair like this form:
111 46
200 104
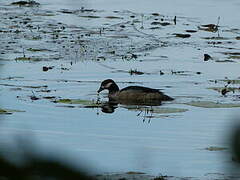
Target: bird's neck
113 89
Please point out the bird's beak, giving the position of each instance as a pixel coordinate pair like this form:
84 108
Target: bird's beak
100 89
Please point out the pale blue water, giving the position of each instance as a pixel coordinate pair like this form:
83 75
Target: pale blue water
121 141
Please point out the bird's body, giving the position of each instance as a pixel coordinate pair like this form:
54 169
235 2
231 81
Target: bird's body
133 94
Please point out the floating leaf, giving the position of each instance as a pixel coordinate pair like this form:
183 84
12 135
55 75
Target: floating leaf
210 104
78 101
214 148
157 110
3 111
23 58
165 110
234 57
8 111
113 17
230 81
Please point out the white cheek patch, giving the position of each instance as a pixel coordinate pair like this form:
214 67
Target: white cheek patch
108 85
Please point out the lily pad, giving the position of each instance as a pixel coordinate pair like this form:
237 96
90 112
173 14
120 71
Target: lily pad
8 111
210 104
78 101
169 110
23 58
234 57
158 110
3 111
231 81
113 17
214 148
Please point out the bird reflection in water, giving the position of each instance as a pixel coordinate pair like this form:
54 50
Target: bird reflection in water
145 110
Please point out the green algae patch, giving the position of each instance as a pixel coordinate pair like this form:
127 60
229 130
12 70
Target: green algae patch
215 148
234 57
158 110
210 104
3 111
168 110
8 111
23 58
85 103
229 81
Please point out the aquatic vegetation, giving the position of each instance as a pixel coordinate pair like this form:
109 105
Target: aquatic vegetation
135 72
182 35
24 58
85 103
215 148
29 3
210 104
157 110
52 60
8 111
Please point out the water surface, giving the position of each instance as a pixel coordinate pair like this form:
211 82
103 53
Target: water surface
67 38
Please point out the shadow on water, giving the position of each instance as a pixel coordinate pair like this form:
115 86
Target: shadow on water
36 166
235 149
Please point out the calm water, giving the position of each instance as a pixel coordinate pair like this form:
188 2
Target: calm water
172 143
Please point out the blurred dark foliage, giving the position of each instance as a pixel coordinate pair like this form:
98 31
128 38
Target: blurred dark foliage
235 140
38 167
